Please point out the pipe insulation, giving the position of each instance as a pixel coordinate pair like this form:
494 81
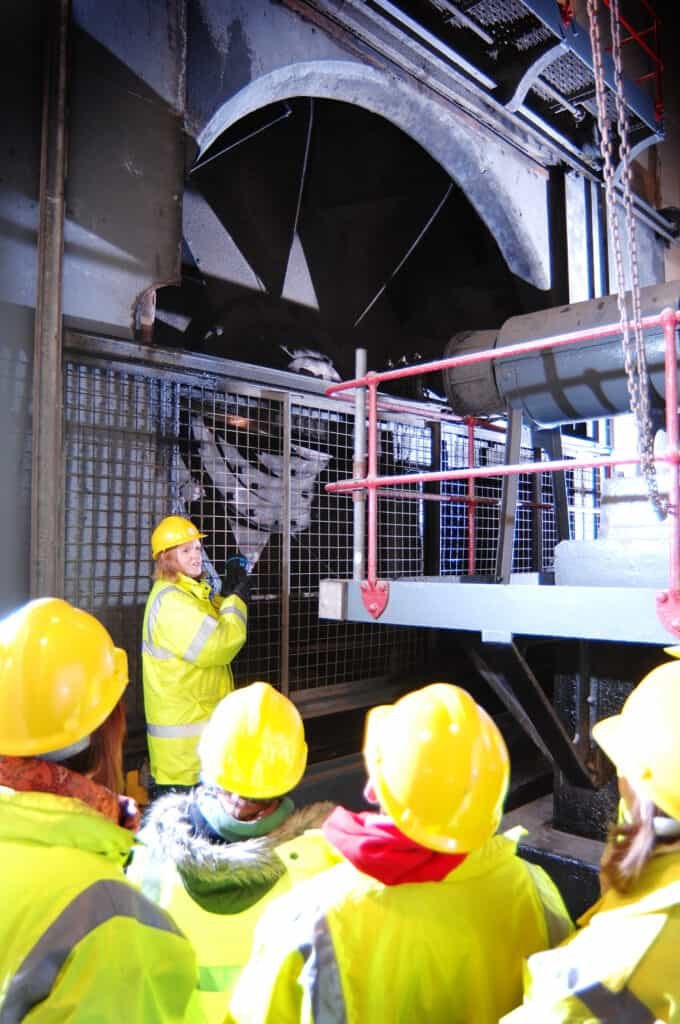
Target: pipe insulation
582 381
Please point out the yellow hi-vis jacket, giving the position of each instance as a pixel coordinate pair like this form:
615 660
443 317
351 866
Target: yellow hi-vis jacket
217 891
621 967
188 642
345 948
79 943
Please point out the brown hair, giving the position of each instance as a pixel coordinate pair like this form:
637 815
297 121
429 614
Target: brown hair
103 759
629 846
166 567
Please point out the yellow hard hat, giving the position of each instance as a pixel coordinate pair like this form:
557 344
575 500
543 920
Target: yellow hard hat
254 743
643 741
60 677
673 651
439 767
170 532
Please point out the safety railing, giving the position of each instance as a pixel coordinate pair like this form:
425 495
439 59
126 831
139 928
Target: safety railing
375 592
646 38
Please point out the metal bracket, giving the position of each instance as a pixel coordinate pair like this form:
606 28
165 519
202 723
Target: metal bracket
668 610
508 674
375 597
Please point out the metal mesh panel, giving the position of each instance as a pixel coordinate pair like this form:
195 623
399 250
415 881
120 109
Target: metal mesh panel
248 466
232 454
535 522
329 653
119 463
404 448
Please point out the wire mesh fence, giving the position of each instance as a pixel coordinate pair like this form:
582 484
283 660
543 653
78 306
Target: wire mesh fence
248 464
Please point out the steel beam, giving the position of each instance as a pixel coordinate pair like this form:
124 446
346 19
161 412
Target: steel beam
47 572
504 667
621 614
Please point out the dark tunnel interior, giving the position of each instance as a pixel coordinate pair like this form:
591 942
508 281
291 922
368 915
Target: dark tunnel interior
395 256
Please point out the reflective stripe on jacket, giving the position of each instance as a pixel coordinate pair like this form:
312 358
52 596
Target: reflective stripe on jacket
343 948
78 942
188 643
251 872
621 967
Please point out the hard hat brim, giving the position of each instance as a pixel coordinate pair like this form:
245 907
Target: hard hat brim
611 735
199 536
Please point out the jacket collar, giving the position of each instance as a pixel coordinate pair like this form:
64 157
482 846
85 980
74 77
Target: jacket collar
44 819
223 877
199 588
657 889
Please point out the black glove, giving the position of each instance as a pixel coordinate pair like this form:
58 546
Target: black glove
236 579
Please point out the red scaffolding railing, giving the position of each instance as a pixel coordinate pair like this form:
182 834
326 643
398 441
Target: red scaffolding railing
646 37
375 592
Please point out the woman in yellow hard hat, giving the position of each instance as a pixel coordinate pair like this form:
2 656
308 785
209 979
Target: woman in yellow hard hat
428 914
79 943
622 965
215 857
189 638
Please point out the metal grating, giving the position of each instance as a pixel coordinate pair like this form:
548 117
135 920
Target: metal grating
535 523
248 466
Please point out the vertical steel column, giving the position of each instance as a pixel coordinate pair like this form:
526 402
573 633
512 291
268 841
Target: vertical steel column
372 474
285 549
432 513
359 471
551 441
590 243
47 528
602 242
558 235
671 368
508 507
471 507
537 516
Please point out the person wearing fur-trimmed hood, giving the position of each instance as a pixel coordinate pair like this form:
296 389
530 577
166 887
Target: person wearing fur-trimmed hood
216 856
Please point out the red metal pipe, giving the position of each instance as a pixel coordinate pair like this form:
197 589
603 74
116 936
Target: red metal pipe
375 593
341 486
472 558
470 358
391 493
668 319
636 36
372 561
387 405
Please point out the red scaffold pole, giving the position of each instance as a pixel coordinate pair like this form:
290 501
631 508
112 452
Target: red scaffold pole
375 592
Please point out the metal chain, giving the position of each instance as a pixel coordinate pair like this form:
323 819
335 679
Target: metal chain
634 357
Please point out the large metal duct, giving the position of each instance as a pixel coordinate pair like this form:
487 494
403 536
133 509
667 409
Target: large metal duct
582 381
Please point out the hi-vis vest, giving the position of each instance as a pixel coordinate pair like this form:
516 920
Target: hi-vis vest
79 943
223 941
621 967
344 948
188 642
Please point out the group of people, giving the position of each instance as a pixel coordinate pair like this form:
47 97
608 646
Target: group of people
227 903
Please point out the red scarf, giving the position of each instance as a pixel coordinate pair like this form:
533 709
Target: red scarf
374 845
32 775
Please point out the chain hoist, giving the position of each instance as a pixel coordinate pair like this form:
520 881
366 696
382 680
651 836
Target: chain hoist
634 356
